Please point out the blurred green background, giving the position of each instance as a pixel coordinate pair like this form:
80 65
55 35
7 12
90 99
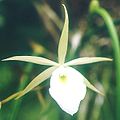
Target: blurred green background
33 27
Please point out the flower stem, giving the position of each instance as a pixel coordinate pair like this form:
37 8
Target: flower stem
95 8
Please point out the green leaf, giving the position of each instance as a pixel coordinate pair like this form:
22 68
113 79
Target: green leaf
32 59
63 43
89 85
37 80
86 60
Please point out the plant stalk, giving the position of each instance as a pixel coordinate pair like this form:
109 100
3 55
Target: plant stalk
95 8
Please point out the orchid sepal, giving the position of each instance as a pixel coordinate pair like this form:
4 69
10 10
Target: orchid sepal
33 59
63 43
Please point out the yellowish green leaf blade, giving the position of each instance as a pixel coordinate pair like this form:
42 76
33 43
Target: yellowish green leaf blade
32 59
89 85
86 60
37 80
63 43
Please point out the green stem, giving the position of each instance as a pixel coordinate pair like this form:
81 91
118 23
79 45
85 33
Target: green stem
95 8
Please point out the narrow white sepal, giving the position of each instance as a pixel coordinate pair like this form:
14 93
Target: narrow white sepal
37 80
89 85
63 42
33 59
69 90
86 60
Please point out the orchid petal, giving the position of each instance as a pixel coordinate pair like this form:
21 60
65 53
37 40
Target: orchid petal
63 43
32 59
37 80
67 88
89 85
86 60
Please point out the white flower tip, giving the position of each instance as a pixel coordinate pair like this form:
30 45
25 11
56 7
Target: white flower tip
109 59
3 60
6 59
63 5
102 93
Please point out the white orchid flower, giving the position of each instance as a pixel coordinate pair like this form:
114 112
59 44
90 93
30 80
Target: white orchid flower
67 85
